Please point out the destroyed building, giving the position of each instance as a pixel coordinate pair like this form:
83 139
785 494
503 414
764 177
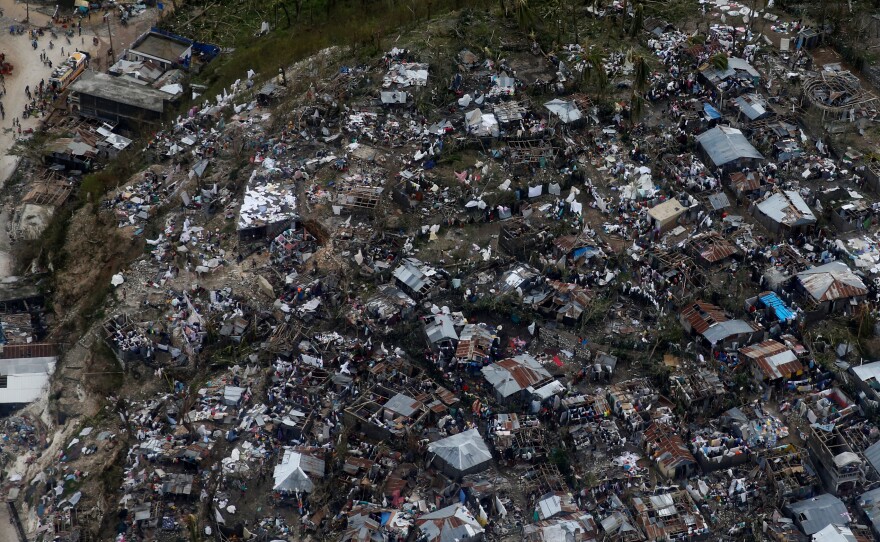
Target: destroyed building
784 213
516 379
830 288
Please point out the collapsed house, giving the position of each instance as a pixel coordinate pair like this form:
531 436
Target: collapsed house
716 330
669 516
784 213
516 379
668 450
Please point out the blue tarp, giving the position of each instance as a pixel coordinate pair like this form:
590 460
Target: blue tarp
711 111
779 307
587 252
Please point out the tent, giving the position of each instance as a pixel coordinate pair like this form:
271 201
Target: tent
463 453
293 473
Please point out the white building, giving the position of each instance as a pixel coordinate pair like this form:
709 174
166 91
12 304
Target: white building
25 371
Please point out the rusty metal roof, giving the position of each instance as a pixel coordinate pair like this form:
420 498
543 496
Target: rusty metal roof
19 351
774 359
832 281
446 396
764 349
745 182
701 315
712 247
474 343
515 374
670 450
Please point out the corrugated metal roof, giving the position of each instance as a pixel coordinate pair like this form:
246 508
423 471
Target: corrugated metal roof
723 330
764 349
440 327
872 454
743 182
832 281
462 451
17 351
566 111
719 201
787 207
712 247
403 405
449 524
869 501
782 365
724 144
815 514
474 343
752 106
514 374
576 526
670 450
701 315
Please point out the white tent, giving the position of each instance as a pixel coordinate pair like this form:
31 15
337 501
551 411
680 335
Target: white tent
566 111
292 474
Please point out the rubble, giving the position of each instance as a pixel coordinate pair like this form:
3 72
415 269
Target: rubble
380 306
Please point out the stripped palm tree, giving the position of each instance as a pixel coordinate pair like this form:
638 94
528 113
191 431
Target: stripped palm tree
638 20
598 76
640 74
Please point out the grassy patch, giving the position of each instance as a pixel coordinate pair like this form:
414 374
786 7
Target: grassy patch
365 27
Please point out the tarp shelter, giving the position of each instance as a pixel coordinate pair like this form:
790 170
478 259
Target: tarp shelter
295 471
481 124
724 145
711 112
449 524
566 111
461 454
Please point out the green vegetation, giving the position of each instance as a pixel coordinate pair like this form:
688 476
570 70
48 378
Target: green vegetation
361 25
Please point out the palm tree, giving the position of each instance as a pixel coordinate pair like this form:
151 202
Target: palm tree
636 107
638 20
719 61
596 66
640 74
192 525
523 12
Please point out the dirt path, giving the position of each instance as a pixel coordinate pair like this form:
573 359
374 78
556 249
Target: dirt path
7 531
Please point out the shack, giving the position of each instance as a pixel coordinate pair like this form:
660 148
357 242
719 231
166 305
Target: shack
117 100
728 149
